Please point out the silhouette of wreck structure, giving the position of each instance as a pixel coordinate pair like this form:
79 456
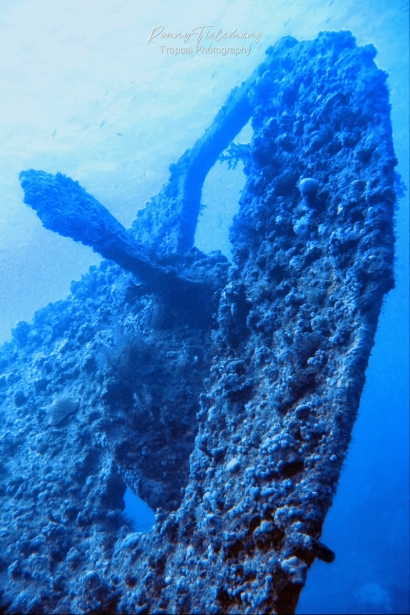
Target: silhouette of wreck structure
222 394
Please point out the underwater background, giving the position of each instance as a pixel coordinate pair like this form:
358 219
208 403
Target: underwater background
81 92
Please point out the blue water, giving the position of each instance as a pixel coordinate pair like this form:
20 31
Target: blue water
83 94
138 513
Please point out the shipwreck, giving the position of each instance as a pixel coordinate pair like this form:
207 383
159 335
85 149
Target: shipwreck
223 394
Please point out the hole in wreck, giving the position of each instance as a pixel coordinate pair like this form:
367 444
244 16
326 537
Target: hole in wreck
137 512
221 192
